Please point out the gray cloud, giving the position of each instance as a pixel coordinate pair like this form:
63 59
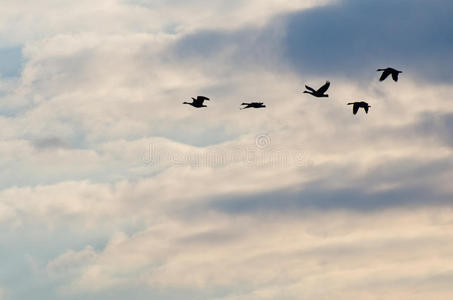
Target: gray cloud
353 36
321 198
362 194
50 143
350 38
234 51
438 125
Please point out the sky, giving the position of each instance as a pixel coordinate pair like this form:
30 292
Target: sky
111 188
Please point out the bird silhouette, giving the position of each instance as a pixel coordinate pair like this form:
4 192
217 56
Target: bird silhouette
198 102
387 72
253 104
320 92
357 105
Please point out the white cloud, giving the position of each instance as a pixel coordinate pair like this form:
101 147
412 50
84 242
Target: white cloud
23 21
356 255
71 262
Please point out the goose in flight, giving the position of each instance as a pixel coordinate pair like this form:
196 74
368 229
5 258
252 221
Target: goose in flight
387 72
198 102
253 104
357 105
320 92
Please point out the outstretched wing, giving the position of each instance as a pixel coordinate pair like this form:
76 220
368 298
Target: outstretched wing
355 108
324 88
384 75
310 89
203 98
200 100
395 76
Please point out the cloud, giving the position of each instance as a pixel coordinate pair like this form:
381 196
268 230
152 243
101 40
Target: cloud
353 38
3 293
11 61
51 142
71 261
345 38
438 125
294 256
113 189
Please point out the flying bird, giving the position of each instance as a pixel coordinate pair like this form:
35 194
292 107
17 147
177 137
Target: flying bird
320 92
387 72
253 104
357 105
198 102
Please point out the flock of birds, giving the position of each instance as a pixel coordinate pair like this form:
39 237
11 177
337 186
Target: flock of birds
319 93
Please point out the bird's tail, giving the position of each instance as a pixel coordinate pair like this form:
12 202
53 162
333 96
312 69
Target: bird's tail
351 103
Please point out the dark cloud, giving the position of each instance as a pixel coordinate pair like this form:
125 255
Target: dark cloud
210 237
353 36
320 198
215 51
50 143
349 38
409 183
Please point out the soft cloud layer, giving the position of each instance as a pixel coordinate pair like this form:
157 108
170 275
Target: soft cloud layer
110 188
267 257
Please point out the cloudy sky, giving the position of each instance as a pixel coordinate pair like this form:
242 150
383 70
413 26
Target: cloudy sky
110 188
